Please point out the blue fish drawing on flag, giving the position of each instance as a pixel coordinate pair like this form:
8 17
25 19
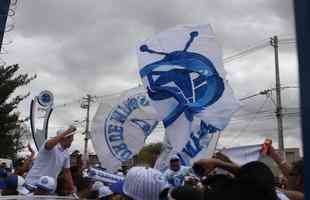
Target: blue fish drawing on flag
188 77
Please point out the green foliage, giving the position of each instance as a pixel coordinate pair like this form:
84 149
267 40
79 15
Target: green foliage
149 153
10 124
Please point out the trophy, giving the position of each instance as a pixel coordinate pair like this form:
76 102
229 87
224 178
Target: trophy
40 111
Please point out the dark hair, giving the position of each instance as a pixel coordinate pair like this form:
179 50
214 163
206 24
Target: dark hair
198 169
19 162
257 172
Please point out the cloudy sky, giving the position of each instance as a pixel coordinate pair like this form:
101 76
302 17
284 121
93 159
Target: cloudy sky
79 47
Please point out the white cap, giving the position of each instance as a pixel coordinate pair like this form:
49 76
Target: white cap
46 182
97 185
174 157
120 173
143 183
61 130
104 191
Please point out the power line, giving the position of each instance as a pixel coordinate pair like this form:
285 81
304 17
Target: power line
255 47
252 120
68 103
244 52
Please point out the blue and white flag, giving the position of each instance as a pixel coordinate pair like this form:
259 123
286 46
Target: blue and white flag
201 144
183 72
103 176
121 126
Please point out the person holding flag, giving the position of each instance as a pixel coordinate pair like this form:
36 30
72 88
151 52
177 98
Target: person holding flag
52 158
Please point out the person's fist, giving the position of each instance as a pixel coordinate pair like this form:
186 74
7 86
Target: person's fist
219 155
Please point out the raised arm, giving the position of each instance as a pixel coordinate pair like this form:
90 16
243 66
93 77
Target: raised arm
281 162
55 140
210 164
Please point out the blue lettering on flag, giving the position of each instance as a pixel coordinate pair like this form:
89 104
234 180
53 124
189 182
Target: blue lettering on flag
193 147
114 126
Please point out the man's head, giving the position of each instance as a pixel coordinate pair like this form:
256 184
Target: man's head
175 163
257 172
296 176
45 186
68 139
142 183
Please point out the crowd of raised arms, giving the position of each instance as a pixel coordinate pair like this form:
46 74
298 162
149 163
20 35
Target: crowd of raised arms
218 178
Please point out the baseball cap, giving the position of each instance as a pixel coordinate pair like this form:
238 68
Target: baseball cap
174 157
61 130
104 191
120 173
143 183
46 183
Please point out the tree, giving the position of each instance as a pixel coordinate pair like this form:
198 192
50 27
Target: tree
10 124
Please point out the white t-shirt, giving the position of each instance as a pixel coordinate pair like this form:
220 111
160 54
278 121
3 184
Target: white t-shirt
176 178
48 163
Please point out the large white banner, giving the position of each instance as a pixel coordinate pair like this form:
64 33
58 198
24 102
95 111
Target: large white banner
121 126
183 72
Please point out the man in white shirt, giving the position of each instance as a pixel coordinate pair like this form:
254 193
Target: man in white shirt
52 158
176 174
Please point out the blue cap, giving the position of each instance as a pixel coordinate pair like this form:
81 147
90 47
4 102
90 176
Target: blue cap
117 187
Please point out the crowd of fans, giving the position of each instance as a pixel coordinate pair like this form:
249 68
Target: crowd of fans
218 178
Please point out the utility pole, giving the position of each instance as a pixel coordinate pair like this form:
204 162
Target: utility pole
279 115
86 105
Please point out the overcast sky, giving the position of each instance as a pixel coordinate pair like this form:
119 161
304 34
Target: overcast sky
79 47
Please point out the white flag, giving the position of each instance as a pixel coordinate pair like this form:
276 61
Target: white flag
121 126
201 144
103 176
243 154
183 72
